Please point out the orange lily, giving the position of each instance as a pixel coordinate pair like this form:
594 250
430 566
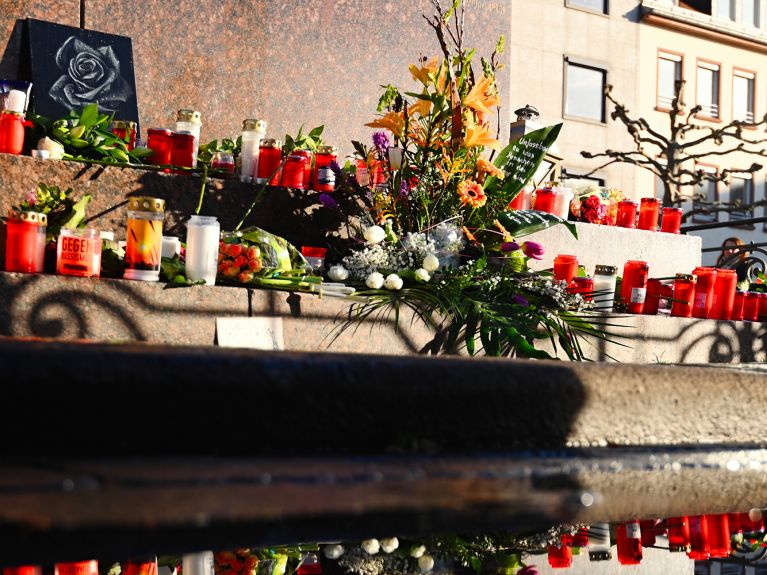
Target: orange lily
479 136
424 74
482 96
393 121
421 107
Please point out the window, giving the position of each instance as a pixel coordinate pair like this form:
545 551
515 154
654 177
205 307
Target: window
742 190
595 5
705 193
750 13
708 89
725 9
585 91
743 95
577 179
669 73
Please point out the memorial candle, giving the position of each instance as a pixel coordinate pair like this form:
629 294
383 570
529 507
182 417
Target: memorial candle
324 178
144 243
724 294
684 295
704 291
634 286
78 252
629 543
627 214
544 200
565 267
25 241
649 210
672 220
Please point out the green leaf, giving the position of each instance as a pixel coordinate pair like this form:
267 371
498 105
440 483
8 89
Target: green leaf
520 223
78 213
90 115
317 132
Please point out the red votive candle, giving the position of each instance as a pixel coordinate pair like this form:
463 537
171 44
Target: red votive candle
324 178
11 132
704 292
125 130
718 536
629 543
649 210
131 568
634 285
751 306
182 150
684 295
223 161
581 538
544 200
561 556
698 538
653 297
678 534
565 268
269 159
724 294
23 570
672 220
627 214
25 241
159 141
763 307
293 172
308 156
78 568
518 203
78 252
648 532
737 308
585 287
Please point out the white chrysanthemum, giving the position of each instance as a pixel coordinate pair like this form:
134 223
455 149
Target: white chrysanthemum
390 544
430 263
371 546
375 281
393 282
418 552
375 235
334 551
425 563
338 273
422 275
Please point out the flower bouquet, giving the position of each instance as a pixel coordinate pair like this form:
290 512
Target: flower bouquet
595 205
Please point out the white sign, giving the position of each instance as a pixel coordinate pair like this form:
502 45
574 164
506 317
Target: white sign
250 332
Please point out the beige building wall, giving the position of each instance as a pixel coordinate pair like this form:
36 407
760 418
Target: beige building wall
661 36
543 33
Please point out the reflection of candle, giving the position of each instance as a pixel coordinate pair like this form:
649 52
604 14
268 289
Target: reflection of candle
78 253
25 241
698 538
678 534
144 246
629 543
79 568
718 536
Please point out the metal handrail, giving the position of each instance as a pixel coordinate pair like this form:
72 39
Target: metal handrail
743 248
728 224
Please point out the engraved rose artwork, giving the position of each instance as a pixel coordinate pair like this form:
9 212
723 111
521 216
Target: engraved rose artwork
89 75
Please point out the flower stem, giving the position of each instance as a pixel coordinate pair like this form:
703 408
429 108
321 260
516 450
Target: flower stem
202 188
259 193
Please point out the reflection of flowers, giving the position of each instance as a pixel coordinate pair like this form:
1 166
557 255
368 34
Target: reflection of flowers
89 75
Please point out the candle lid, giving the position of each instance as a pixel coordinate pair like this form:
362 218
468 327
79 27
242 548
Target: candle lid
36 218
605 270
146 204
271 143
253 125
159 131
627 201
196 220
192 116
672 209
686 277
327 150
15 101
650 201
123 125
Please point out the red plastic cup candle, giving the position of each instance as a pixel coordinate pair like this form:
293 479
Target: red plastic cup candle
678 534
324 178
78 253
583 286
23 570
293 172
78 568
649 211
581 538
672 220
629 543
751 306
704 291
627 214
25 241
719 545
565 268
315 257
724 294
308 156
684 295
737 307
544 200
269 159
518 203
159 141
634 286
561 556
223 161
182 150
149 568
143 249
12 132
698 538
653 297
648 532
125 131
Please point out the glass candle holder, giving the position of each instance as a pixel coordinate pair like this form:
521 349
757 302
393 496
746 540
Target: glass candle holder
649 211
78 252
126 131
315 257
324 178
12 132
561 556
704 292
189 121
253 131
269 159
544 200
653 297
672 220
309 157
629 543
719 545
604 287
698 538
201 563
223 161
565 268
684 295
583 285
737 307
78 568
599 542
160 142
202 238
678 534
25 241
751 306
182 150
562 202
634 285
143 249
724 294
293 172
627 214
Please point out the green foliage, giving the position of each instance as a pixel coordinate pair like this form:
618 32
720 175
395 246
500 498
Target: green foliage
303 141
387 99
59 205
205 151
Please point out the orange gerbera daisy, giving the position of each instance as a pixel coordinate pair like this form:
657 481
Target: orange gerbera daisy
485 167
471 194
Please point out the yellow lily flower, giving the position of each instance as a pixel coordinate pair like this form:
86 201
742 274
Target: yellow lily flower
441 83
424 74
479 136
482 96
421 107
393 121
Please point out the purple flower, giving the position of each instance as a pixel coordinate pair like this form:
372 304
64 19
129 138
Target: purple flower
528 570
533 250
335 167
507 247
404 190
520 300
328 201
382 143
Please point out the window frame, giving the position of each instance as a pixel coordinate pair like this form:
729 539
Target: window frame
733 10
708 65
738 72
574 5
757 25
701 218
593 65
745 176
673 54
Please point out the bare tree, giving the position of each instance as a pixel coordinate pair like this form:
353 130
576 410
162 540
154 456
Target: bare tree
672 157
